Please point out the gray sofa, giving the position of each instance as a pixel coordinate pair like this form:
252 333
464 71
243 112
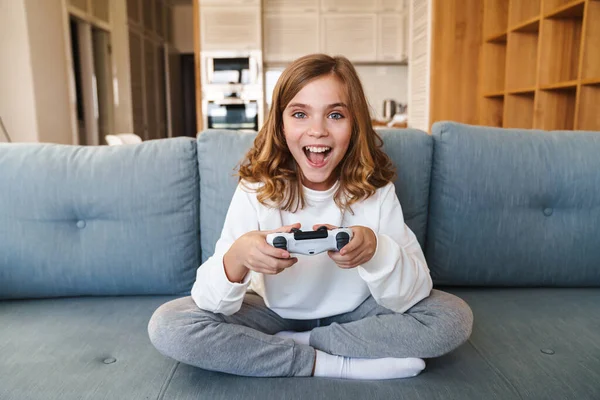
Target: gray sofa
93 240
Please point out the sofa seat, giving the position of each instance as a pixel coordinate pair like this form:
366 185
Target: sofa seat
80 348
526 343
544 342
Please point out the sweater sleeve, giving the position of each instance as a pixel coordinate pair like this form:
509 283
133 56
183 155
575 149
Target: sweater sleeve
212 291
397 275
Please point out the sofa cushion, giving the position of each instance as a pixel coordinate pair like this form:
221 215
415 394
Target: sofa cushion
461 375
512 207
544 341
220 151
80 348
119 220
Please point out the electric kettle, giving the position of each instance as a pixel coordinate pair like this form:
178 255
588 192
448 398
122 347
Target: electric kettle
389 109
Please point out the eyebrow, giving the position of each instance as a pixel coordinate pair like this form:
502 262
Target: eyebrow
300 105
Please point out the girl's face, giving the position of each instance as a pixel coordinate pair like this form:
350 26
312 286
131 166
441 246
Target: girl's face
317 126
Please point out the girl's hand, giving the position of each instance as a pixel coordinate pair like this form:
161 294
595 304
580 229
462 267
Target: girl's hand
361 248
252 252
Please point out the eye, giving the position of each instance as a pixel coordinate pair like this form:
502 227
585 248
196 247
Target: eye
336 115
299 115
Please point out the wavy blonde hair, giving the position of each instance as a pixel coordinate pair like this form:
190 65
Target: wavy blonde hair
363 169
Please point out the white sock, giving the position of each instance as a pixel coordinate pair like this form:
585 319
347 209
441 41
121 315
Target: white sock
331 366
298 337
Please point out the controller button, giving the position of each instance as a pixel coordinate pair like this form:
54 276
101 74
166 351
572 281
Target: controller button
322 228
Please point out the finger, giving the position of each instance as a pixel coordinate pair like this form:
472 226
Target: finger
284 264
362 257
350 261
350 251
352 245
288 228
338 258
274 266
285 229
330 227
271 251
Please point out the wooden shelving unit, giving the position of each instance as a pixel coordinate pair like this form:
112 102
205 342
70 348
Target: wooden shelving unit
540 64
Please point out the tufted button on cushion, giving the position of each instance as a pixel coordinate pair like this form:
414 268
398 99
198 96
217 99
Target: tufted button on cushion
109 360
548 211
81 224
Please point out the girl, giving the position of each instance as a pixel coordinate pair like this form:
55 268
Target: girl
366 312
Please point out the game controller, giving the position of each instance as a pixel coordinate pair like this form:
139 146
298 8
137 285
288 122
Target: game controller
310 243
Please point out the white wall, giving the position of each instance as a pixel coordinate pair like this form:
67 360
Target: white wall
183 28
123 112
381 82
17 101
45 24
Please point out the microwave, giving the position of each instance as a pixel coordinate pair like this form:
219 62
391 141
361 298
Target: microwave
231 68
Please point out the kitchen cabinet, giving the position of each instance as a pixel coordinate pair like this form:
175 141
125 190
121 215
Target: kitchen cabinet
226 28
351 35
392 5
230 2
345 6
289 36
286 6
391 40
134 13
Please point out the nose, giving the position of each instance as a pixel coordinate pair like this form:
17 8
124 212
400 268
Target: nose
317 128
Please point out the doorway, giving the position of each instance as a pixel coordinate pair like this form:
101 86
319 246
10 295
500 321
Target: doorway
188 90
91 55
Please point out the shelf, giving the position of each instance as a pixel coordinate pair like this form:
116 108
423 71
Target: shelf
573 9
589 117
560 85
555 109
591 42
494 94
522 90
493 61
520 11
552 5
532 25
560 45
495 18
521 60
590 82
518 111
492 110
498 38
540 64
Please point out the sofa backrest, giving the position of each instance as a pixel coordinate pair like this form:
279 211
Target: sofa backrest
220 151
119 220
512 207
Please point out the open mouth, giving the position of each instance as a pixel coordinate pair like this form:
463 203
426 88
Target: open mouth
317 155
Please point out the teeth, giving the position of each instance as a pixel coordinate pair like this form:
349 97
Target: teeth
316 149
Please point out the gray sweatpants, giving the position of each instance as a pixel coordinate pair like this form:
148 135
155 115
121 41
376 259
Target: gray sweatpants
243 344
